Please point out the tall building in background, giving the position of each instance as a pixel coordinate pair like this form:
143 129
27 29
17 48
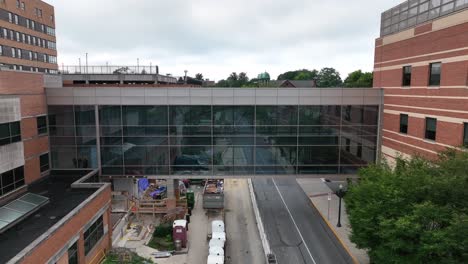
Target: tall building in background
421 61
27 36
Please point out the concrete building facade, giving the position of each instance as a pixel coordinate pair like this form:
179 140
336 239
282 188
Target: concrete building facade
27 36
421 62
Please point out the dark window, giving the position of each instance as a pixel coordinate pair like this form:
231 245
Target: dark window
465 135
348 145
407 76
359 151
73 254
434 73
44 162
41 125
10 133
403 123
431 127
93 234
11 180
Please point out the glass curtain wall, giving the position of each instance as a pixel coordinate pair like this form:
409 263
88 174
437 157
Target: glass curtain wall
216 140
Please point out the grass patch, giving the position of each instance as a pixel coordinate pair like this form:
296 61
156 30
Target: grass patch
162 238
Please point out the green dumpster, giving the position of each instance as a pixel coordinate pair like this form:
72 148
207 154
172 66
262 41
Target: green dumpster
190 199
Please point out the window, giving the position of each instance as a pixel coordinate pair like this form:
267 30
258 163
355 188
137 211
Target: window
19 54
13 52
407 76
348 145
41 125
73 254
10 17
18 36
16 19
5 33
434 73
10 133
359 151
27 23
465 134
1 50
93 234
30 55
44 162
431 127
11 180
404 123
17 4
23 6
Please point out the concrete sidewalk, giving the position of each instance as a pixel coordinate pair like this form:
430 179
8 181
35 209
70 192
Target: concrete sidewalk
317 191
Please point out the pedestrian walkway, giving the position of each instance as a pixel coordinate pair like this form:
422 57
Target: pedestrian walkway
318 193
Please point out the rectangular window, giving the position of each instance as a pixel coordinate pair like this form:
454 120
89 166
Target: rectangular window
431 127
465 135
434 74
41 125
44 162
348 145
11 180
93 234
1 50
404 123
359 151
407 76
73 254
13 52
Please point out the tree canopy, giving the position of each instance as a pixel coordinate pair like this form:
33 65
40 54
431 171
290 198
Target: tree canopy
329 77
414 213
199 76
236 80
298 75
359 79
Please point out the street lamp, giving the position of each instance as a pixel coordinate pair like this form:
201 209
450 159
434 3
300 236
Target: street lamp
340 193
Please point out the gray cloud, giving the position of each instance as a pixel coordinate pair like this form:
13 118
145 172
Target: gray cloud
217 37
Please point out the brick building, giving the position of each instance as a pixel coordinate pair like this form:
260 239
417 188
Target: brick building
46 215
27 36
421 61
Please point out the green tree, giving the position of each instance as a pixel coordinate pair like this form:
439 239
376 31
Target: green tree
199 76
233 77
297 75
359 79
329 77
243 78
414 213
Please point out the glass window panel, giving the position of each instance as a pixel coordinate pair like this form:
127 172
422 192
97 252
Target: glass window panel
157 156
62 115
190 130
85 131
244 115
431 128
144 115
266 115
112 156
319 130
110 115
287 115
317 169
434 13
434 73
233 140
223 115
106 141
412 21
413 11
8 178
5 130
465 134
311 155
434 3
243 155
223 155
150 141
187 140
445 9
423 7
319 140
84 115
190 115
191 156
88 157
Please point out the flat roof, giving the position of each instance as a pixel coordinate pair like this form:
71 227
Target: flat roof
62 200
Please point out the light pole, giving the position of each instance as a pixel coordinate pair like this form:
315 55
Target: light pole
340 193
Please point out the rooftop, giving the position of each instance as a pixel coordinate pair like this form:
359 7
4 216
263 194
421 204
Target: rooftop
62 200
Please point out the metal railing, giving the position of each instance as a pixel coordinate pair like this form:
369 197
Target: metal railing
108 69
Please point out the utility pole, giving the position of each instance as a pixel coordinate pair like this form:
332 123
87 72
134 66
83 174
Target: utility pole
79 64
86 62
185 76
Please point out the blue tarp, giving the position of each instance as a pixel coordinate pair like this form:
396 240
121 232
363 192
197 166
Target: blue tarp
143 184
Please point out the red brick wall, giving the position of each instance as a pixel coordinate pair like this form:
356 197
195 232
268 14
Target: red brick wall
447 102
61 236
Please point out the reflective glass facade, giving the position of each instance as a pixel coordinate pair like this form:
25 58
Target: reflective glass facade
214 139
415 12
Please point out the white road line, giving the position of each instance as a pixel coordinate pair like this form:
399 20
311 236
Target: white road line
294 222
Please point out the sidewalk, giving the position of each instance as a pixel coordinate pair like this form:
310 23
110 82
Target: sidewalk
317 191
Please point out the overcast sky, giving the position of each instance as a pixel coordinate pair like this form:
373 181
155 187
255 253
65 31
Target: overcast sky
217 37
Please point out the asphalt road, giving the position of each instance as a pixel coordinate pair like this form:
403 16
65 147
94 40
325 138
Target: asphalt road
295 230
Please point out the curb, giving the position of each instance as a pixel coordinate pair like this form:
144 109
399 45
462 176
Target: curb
261 230
336 235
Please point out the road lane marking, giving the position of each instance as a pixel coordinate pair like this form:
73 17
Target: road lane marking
294 222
